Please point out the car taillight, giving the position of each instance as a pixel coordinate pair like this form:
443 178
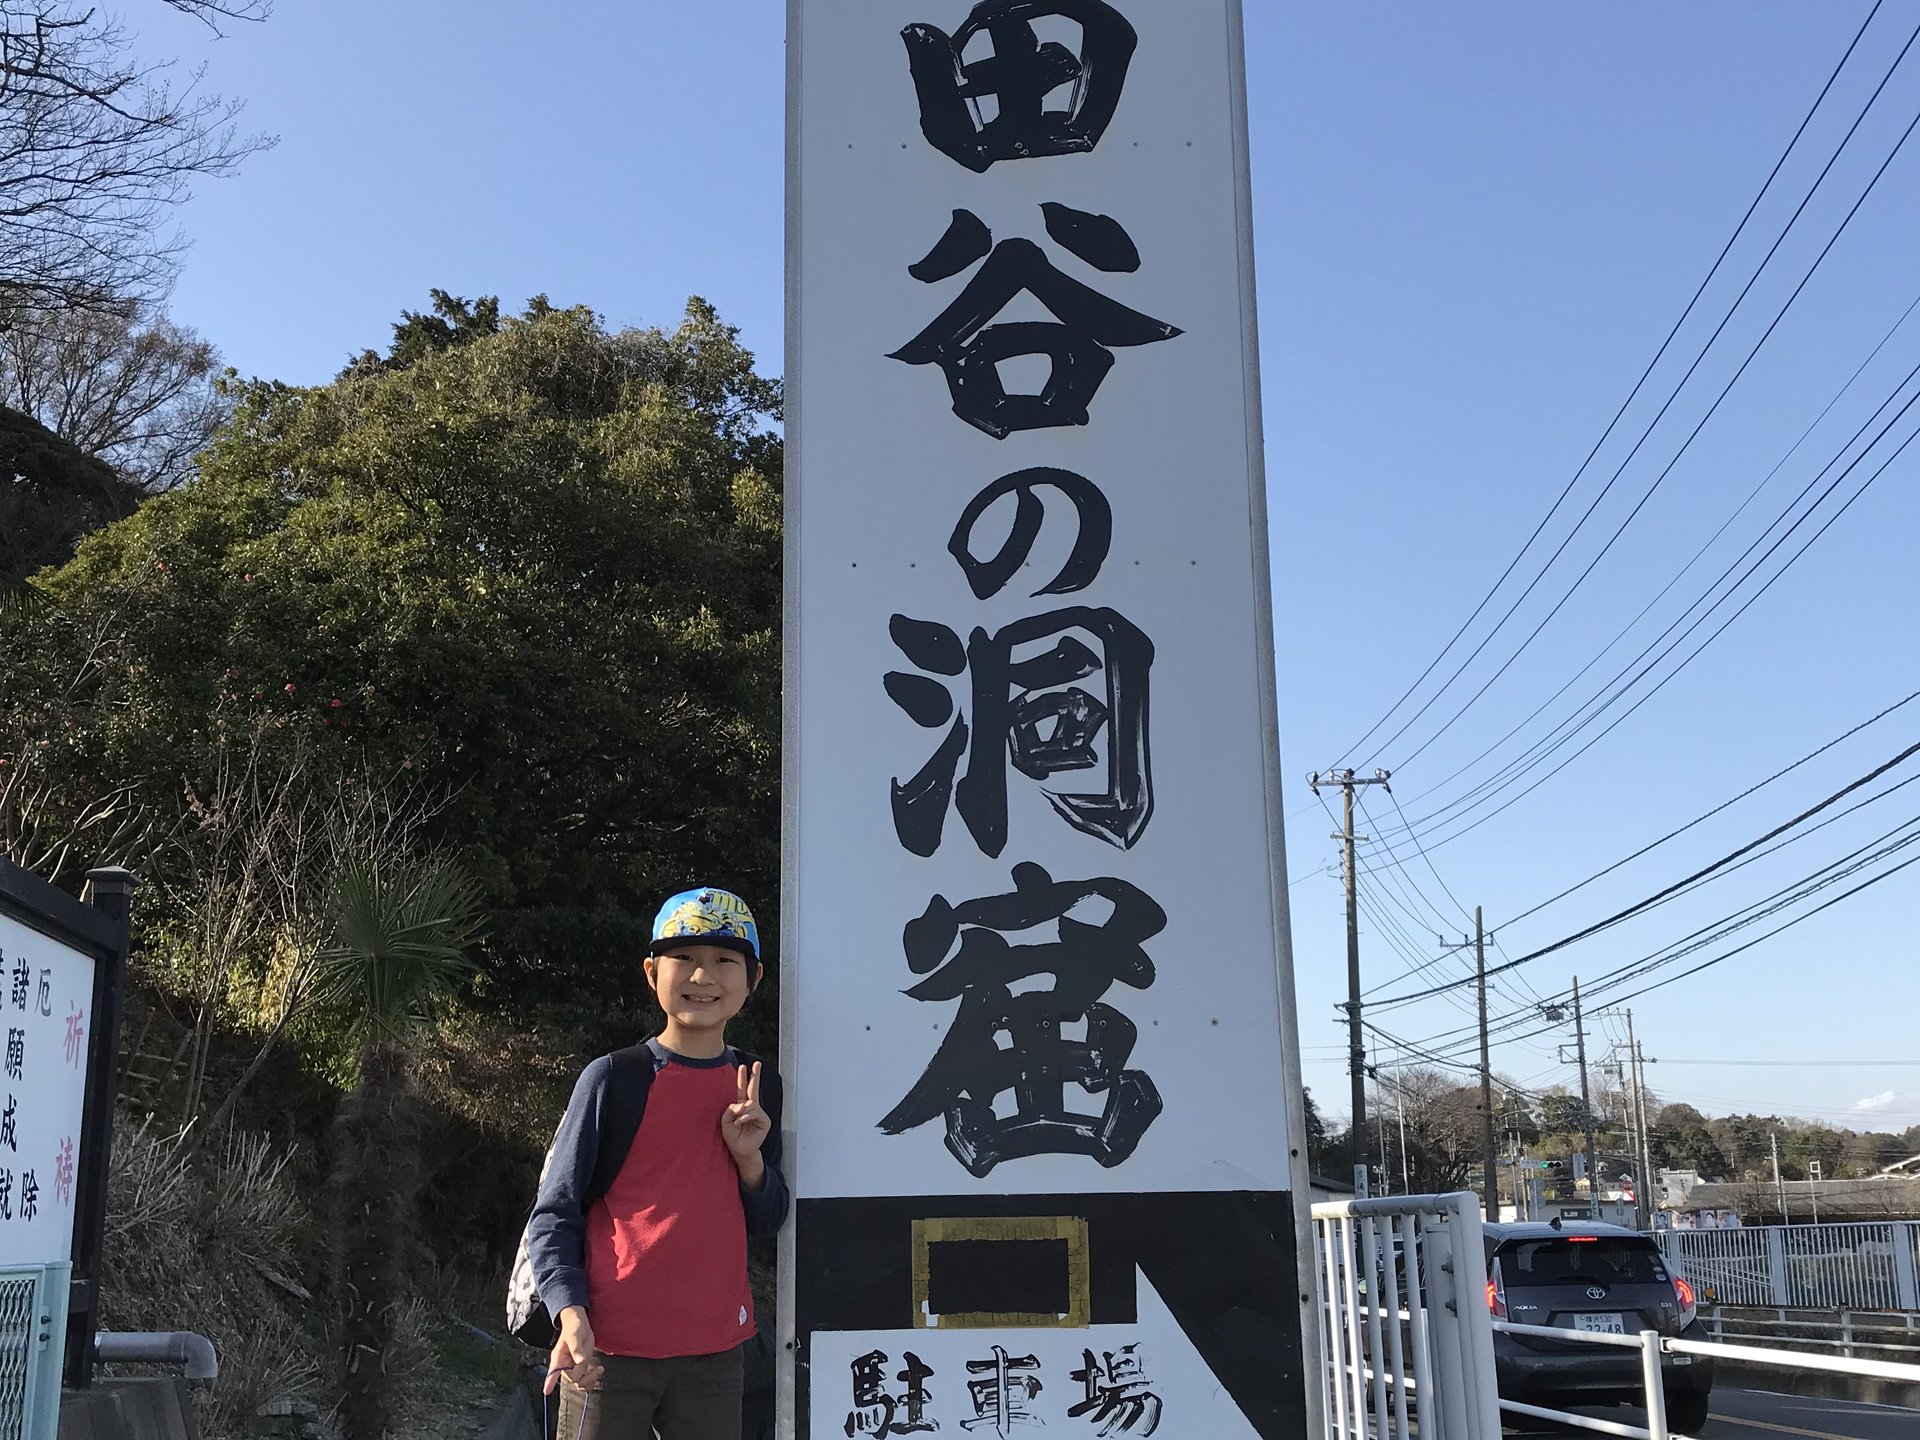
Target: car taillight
1497 1294
1689 1302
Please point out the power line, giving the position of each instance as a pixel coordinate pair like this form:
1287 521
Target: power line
1698 649
1633 970
1428 859
1698 555
1658 895
1699 819
1808 884
1540 749
1740 949
1712 409
1719 260
1794 1064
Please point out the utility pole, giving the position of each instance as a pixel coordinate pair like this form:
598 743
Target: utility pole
1489 1148
1400 1107
1624 1072
1586 1105
1643 1197
1356 1043
1646 1127
1779 1185
1386 1175
1489 1156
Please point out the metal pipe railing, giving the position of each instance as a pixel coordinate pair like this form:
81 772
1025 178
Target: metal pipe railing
192 1353
1831 1364
1407 1352
1652 1345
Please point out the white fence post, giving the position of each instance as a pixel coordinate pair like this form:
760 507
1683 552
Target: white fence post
1656 1396
1438 1273
1906 1244
1777 1264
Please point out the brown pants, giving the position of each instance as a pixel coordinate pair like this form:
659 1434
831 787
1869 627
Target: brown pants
695 1397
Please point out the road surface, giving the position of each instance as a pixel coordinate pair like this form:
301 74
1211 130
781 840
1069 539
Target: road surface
1757 1415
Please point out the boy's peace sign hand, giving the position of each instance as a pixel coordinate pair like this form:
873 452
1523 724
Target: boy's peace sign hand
745 1126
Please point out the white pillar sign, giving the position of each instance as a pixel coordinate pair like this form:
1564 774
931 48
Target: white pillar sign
46 991
1038 1012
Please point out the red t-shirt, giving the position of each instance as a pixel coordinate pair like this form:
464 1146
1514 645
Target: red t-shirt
667 1244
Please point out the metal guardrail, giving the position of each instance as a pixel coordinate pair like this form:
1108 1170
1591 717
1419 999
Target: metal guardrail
1404 1324
1652 1345
33 1324
1871 1265
1893 1334
1408 1338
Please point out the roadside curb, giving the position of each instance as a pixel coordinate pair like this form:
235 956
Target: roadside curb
1817 1384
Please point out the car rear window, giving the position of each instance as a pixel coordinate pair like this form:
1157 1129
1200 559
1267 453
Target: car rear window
1608 1260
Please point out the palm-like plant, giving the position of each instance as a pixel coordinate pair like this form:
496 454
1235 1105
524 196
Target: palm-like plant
397 947
21 598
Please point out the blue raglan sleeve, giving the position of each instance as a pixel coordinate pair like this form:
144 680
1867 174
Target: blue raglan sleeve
767 1207
557 1231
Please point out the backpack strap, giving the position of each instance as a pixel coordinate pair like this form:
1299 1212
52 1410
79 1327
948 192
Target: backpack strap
627 1087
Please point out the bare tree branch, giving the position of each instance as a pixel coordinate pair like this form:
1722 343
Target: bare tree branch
123 383
94 149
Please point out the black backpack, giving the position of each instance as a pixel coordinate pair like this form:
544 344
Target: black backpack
627 1087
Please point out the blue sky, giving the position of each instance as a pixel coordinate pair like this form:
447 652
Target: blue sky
1475 225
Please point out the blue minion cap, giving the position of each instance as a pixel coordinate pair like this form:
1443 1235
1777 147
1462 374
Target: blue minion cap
706 917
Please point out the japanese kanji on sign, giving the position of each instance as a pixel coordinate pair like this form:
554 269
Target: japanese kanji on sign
1037 1011
46 992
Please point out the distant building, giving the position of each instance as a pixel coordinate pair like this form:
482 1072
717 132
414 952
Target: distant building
1323 1188
1672 1187
1759 1202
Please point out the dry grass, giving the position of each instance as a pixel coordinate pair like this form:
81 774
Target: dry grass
191 1231
187 1233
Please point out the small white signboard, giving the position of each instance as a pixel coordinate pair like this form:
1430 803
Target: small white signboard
46 1001
1102 1380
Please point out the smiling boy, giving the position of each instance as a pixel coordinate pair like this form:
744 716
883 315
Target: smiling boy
647 1283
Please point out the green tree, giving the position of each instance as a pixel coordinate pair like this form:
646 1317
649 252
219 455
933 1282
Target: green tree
1691 1148
538 569
1316 1135
1810 1143
1677 1117
397 952
453 322
1561 1113
1747 1141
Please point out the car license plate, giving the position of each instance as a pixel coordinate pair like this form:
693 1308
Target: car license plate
1600 1324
